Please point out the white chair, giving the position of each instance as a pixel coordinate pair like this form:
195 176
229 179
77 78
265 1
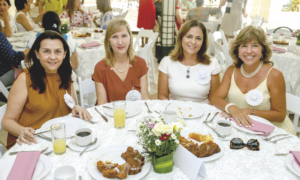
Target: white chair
292 105
219 37
235 33
2 112
122 14
217 52
208 26
4 90
85 87
148 54
258 21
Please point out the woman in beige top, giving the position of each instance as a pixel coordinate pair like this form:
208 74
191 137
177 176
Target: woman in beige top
252 73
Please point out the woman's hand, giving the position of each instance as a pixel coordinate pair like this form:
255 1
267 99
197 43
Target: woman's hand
94 21
26 136
83 113
241 115
5 16
224 114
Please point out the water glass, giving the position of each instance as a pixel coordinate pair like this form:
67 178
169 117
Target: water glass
58 132
119 114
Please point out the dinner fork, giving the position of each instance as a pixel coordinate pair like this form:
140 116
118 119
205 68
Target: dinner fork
16 152
275 141
269 138
148 108
206 118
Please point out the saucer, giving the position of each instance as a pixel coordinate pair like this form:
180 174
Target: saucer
74 146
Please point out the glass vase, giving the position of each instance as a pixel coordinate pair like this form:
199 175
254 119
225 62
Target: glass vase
64 29
298 41
163 164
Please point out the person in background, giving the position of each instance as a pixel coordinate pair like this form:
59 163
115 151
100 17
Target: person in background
9 58
120 71
233 16
158 8
202 13
23 20
178 18
6 20
52 5
106 14
146 17
189 73
52 22
187 5
37 95
252 73
77 16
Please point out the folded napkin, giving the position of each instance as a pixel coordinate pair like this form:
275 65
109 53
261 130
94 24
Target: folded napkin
258 127
280 50
92 44
293 35
268 34
189 164
24 165
296 155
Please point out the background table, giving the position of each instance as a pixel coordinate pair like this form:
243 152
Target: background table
234 164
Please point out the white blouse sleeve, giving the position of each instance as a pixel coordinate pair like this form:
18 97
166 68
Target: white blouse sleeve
215 66
164 64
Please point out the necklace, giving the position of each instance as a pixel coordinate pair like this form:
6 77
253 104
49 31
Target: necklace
123 70
188 69
249 75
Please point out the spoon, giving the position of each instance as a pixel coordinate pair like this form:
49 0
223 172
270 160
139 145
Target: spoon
93 142
220 135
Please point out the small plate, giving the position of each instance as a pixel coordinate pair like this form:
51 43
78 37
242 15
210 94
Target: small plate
292 165
19 44
42 168
73 145
133 109
187 110
19 34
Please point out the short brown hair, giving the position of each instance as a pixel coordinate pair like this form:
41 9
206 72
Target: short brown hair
246 35
177 52
115 26
104 6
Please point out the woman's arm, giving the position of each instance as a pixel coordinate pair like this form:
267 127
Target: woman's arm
21 19
15 105
94 21
6 29
163 86
178 16
39 17
222 3
74 60
144 87
101 93
214 84
244 11
41 6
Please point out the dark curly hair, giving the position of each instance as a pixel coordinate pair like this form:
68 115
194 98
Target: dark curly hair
36 70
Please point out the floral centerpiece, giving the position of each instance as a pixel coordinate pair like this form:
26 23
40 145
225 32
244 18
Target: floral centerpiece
65 25
159 141
297 34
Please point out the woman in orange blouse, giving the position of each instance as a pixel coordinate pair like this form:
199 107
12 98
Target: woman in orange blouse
120 71
37 95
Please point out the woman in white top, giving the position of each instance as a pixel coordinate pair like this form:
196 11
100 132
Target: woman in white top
106 14
7 22
189 74
23 20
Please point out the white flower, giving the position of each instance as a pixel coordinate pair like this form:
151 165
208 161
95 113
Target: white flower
177 141
173 136
162 131
138 132
177 126
157 142
203 77
161 128
133 95
254 97
140 124
149 149
182 122
150 133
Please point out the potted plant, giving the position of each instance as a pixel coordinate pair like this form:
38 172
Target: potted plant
65 25
297 34
159 140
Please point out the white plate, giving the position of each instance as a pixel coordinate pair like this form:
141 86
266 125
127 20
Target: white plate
73 145
209 158
15 39
113 154
256 118
19 34
43 167
187 110
292 165
19 44
72 124
133 108
38 30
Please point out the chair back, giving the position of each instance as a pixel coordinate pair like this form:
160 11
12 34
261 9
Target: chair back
122 14
2 112
293 104
258 21
144 33
208 26
4 90
220 37
85 87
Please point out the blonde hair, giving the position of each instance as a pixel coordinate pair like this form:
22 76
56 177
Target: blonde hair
104 6
177 52
246 35
113 27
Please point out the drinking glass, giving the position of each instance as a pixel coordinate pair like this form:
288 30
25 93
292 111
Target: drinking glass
119 114
58 132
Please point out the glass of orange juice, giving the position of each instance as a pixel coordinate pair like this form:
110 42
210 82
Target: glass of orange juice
58 131
119 114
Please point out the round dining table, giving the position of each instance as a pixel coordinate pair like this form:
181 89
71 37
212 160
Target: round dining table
241 164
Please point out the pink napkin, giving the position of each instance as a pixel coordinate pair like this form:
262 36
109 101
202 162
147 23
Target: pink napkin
24 165
268 34
280 50
92 44
293 35
281 34
296 155
258 127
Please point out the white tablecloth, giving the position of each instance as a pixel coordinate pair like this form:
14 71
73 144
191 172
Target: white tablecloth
234 164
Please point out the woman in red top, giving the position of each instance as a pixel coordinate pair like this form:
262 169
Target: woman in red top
120 71
146 16
178 18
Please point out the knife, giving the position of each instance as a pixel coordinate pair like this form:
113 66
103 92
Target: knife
16 152
105 118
